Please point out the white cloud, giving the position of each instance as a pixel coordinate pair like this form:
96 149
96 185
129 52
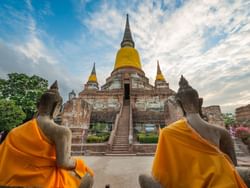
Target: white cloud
177 38
30 54
207 41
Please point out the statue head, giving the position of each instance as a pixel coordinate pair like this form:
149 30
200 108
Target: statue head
50 102
188 98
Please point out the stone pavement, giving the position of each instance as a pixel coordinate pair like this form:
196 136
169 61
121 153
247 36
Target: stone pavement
118 172
123 172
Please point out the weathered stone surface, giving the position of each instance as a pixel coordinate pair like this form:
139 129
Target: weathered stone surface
76 113
76 116
213 115
144 148
242 115
88 148
127 82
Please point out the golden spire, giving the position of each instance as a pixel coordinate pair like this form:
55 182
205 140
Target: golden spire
127 56
92 77
159 75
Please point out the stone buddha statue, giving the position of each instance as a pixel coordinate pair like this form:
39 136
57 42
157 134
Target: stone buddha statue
192 153
44 147
48 108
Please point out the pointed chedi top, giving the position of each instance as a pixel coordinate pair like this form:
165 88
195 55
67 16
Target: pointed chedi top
127 38
159 75
92 77
127 55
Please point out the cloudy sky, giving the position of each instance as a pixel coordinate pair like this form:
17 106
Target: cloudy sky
206 41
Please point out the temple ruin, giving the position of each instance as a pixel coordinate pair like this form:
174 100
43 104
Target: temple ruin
126 103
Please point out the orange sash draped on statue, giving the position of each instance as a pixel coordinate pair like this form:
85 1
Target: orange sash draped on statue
27 159
184 159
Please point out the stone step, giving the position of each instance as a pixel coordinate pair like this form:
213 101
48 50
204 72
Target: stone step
122 139
240 154
121 142
120 154
120 146
126 152
120 150
125 138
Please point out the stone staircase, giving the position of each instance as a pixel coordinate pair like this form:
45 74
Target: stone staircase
242 153
121 144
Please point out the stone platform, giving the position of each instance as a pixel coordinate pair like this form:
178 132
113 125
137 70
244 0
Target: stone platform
118 172
123 172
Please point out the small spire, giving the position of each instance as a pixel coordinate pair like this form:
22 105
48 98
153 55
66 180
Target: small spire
158 68
127 37
92 77
93 70
159 75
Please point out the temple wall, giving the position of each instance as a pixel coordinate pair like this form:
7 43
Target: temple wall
213 115
76 113
144 148
148 108
150 102
242 115
76 116
104 116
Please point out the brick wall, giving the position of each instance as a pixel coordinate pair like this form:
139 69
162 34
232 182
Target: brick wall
144 148
242 114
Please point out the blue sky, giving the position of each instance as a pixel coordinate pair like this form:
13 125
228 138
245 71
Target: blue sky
206 41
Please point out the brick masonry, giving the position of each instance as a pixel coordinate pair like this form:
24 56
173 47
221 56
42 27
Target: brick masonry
242 115
213 115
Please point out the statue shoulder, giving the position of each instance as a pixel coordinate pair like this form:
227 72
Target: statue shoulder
61 130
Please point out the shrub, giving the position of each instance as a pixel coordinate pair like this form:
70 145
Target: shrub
97 138
243 133
147 138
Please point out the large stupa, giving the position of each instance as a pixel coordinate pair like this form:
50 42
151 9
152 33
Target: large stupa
127 102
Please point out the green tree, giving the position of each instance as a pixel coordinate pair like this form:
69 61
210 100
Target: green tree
11 115
229 119
24 90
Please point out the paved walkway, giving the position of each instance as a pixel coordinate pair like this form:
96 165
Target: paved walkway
123 172
118 172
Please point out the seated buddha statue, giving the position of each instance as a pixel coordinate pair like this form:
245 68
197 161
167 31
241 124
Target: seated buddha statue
193 153
37 153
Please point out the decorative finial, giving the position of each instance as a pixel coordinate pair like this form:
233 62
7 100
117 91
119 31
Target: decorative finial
54 85
93 70
159 75
158 67
127 37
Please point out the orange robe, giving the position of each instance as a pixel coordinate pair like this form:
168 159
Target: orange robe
27 159
184 159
